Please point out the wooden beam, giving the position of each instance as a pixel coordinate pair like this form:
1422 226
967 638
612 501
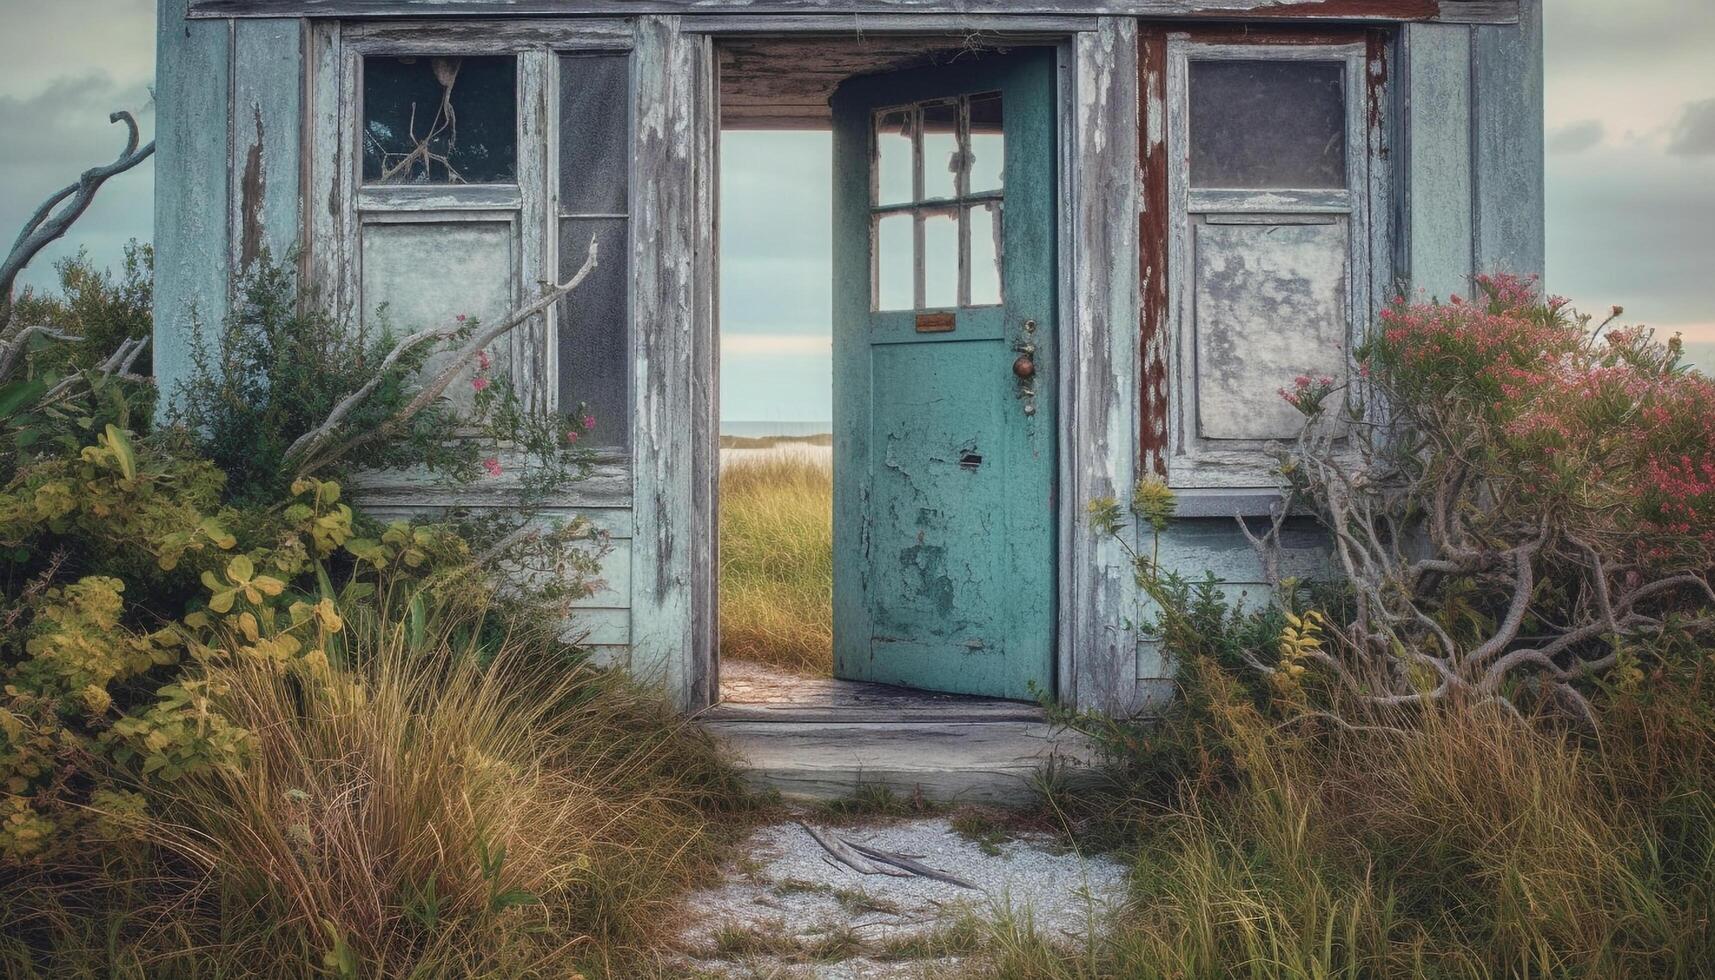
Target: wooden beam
843 13
1154 227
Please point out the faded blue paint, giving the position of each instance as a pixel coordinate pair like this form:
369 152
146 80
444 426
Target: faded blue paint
192 192
944 487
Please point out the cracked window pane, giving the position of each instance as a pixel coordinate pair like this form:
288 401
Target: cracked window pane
435 120
1268 124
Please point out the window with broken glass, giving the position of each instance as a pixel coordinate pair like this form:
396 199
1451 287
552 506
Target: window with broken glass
431 119
937 189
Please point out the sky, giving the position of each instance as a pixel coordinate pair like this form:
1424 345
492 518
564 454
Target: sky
1631 177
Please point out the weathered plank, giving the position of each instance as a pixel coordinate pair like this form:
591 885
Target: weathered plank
1438 190
954 762
1507 148
323 168
267 110
1099 357
1154 228
666 212
1459 11
704 680
191 188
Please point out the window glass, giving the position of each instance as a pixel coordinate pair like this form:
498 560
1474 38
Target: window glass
1268 124
941 156
440 120
595 134
988 145
594 334
940 260
896 263
893 157
984 222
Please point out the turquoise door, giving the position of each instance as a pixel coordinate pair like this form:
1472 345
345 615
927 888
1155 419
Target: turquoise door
944 407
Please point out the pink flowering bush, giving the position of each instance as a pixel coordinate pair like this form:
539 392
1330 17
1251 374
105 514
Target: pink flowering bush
1534 512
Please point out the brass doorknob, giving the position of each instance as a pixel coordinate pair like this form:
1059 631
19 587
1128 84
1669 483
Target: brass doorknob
1024 366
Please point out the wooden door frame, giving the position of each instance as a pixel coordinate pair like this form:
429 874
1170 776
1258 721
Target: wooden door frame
1097 234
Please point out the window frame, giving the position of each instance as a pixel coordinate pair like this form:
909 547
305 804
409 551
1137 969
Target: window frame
1194 462
921 208
529 205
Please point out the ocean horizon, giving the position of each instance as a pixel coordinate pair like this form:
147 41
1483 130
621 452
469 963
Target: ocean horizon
757 428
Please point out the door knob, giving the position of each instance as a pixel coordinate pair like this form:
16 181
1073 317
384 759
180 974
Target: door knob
1025 366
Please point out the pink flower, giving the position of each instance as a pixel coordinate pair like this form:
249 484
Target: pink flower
492 465
482 359
479 382
589 422
461 317
571 435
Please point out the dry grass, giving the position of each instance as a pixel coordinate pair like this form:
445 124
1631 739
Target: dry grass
1466 845
420 816
777 563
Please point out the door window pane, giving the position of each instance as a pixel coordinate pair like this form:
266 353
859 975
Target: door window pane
436 120
895 263
595 360
941 157
893 183
988 145
984 222
595 133
940 261
1268 124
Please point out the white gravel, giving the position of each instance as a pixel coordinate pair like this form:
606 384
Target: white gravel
785 887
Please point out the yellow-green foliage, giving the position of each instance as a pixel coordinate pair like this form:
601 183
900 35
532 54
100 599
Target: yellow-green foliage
777 562
267 741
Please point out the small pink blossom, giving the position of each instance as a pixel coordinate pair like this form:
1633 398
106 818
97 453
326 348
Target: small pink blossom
482 359
571 435
589 422
461 317
492 465
479 382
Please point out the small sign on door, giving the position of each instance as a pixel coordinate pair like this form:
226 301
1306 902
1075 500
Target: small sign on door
935 322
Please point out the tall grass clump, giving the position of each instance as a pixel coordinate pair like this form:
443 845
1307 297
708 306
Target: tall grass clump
777 562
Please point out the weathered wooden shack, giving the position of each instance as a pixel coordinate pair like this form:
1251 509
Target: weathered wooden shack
1076 242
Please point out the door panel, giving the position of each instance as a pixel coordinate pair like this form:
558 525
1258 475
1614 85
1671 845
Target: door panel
944 458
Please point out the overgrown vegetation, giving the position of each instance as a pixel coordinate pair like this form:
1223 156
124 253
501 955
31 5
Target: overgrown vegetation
251 731
777 562
1321 803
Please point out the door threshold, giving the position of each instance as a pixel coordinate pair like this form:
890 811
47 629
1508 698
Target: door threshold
758 693
821 738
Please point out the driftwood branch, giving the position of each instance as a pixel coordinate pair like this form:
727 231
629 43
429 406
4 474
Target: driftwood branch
318 447
56 216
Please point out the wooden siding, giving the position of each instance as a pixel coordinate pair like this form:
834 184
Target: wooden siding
1474 199
1455 11
671 221
192 164
1099 356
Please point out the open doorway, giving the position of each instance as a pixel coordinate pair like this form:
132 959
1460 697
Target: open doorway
900 541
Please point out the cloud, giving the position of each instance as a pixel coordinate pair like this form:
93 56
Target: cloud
1693 135
1577 137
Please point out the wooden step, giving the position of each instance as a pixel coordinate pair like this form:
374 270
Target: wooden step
949 761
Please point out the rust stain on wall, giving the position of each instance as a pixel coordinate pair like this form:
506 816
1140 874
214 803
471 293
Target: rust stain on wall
251 192
1153 230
